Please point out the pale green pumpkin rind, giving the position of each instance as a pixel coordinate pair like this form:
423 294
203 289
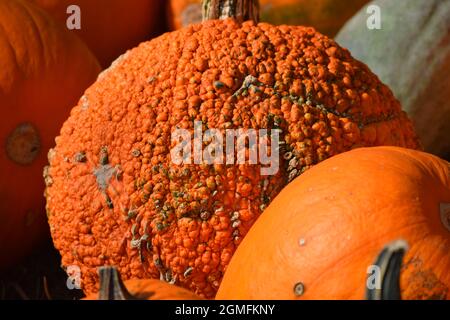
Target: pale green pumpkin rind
411 54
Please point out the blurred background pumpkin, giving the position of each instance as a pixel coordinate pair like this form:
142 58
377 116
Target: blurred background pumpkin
44 71
411 54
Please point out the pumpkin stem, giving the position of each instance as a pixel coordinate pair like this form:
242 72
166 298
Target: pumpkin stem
389 263
241 10
111 285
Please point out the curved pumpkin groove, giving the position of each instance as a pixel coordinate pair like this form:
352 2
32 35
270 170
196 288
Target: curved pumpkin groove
327 16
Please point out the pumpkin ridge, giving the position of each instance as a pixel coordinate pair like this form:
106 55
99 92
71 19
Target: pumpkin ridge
327 109
26 8
430 15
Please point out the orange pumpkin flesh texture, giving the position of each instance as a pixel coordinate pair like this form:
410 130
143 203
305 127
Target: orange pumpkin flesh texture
116 198
44 70
327 16
326 228
110 27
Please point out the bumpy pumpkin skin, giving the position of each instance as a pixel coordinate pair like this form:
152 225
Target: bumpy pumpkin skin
110 27
327 227
44 71
119 199
152 289
417 65
327 16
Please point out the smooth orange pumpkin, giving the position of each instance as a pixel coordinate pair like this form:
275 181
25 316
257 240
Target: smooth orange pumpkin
110 27
327 16
112 288
44 71
122 200
324 229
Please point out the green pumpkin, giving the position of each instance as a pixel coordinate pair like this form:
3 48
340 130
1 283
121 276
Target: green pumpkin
411 54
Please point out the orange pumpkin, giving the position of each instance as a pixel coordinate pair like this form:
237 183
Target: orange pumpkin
110 27
112 288
327 16
324 229
123 200
44 71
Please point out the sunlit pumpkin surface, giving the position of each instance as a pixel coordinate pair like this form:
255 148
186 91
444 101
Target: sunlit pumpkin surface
327 227
114 196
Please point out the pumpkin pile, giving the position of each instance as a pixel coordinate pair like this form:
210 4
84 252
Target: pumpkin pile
349 187
115 195
417 65
108 27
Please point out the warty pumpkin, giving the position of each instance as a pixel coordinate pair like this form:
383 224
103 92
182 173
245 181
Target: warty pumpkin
110 27
327 16
44 71
115 195
112 288
327 226
417 65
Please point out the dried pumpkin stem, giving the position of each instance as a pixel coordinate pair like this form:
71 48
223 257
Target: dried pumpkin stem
241 10
389 262
111 285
